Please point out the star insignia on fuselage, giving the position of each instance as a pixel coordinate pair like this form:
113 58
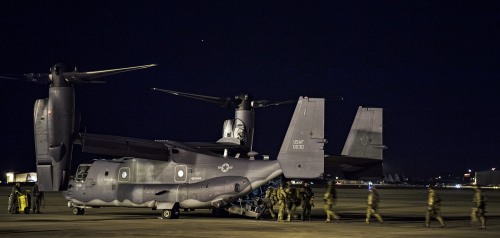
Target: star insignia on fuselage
225 167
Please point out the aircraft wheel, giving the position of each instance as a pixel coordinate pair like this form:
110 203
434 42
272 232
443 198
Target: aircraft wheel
78 211
167 214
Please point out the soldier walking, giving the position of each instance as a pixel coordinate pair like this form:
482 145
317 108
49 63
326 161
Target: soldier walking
433 208
479 208
329 199
268 202
282 202
372 201
289 200
307 202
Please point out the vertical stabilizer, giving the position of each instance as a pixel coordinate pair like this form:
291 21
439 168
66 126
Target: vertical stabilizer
302 152
365 138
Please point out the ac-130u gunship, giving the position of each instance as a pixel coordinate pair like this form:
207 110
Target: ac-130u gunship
164 175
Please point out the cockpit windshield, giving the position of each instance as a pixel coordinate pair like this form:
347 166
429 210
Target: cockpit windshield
81 173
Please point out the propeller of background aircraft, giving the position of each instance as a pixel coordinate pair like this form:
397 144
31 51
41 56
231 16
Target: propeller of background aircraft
243 101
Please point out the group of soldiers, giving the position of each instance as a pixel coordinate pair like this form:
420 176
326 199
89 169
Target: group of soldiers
289 198
35 203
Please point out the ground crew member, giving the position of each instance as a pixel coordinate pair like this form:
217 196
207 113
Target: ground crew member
281 194
433 208
372 201
479 207
329 199
13 204
36 199
307 196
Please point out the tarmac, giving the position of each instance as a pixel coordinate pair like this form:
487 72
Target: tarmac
403 210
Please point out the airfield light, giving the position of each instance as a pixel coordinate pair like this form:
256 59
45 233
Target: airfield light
10 177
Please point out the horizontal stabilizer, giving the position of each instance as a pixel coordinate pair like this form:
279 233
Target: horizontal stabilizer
352 168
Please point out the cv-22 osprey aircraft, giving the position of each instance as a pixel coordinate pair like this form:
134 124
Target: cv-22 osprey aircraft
163 175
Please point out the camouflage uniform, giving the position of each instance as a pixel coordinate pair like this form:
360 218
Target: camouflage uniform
294 201
307 196
433 208
329 199
36 199
290 199
479 208
372 201
269 200
13 206
281 194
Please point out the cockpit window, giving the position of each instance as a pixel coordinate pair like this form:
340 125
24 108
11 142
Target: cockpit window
81 173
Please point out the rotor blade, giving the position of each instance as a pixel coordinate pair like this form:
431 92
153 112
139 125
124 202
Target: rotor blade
335 98
223 102
266 103
92 75
31 77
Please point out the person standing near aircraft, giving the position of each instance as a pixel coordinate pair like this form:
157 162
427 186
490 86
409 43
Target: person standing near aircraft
433 208
36 199
307 202
13 203
372 201
329 199
479 207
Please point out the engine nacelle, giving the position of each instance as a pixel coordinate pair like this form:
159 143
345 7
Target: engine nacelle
54 127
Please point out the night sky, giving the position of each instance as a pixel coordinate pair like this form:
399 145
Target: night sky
432 65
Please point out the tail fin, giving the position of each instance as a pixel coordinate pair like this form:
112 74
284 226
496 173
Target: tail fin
302 154
365 138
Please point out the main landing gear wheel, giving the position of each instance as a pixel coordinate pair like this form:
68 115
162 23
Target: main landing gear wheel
78 211
173 213
167 214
